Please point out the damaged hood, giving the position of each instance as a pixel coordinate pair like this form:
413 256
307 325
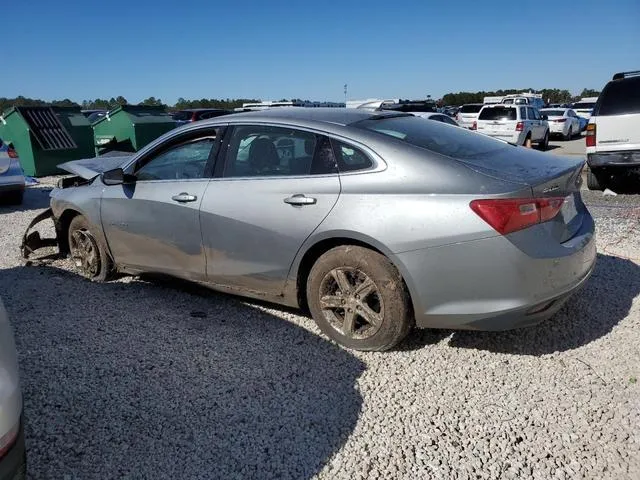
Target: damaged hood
89 168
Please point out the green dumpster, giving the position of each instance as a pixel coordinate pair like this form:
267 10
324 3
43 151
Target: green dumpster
128 128
47 136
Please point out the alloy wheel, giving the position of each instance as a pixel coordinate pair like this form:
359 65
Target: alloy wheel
351 303
84 252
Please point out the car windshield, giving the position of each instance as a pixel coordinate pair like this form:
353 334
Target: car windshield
584 105
434 136
498 113
620 97
554 113
470 108
181 116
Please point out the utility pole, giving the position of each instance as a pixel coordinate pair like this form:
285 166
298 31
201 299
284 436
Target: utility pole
345 94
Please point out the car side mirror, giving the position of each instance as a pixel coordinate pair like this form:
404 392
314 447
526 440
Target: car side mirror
117 177
544 117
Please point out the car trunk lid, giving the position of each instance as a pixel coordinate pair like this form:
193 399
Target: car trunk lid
547 176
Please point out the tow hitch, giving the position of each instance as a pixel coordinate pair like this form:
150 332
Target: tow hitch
32 241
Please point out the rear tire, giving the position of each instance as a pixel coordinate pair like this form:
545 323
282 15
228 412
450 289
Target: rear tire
544 144
569 135
527 141
595 180
357 298
87 251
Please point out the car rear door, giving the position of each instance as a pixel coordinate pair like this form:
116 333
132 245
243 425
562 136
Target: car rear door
276 185
153 224
617 116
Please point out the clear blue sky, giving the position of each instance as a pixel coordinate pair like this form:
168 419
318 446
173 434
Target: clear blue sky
309 49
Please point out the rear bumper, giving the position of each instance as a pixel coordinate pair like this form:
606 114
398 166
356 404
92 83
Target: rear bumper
628 158
557 128
490 284
511 137
13 465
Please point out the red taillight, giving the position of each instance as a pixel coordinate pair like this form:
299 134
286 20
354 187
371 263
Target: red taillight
519 126
8 439
474 125
513 214
12 153
560 120
591 135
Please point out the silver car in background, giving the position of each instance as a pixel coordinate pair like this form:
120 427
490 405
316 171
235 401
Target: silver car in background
375 221
12 450
12 180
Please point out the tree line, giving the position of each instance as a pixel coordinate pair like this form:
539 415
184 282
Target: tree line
113 102
552 95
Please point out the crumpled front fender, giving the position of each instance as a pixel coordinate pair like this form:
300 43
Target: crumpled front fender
32 241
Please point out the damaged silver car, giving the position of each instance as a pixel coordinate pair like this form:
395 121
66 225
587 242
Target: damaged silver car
374 221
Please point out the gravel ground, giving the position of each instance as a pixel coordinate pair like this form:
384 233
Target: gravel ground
152 378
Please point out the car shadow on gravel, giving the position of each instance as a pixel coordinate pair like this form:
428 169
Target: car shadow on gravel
591 313
141 380
35 198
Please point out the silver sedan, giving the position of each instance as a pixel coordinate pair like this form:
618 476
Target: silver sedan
374 221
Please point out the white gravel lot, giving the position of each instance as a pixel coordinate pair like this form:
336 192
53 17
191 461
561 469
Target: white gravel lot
142 378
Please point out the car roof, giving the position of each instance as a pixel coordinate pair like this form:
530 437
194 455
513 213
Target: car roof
202 110
324 115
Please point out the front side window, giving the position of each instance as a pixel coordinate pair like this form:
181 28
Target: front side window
265 151
184 161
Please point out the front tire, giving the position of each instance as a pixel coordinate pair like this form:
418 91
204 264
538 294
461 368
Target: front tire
357 297
87 251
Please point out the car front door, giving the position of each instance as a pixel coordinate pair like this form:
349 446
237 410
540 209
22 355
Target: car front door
277 185
153 224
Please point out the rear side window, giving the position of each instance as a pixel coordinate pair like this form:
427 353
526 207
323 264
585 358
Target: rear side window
619 97
266 151
498 113
523 113
350 158
532 114
471 108
434 136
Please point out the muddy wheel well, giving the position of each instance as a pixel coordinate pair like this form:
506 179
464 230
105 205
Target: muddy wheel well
313 254
63 229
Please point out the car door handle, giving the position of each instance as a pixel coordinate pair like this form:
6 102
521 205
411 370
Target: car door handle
300 199
184 197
